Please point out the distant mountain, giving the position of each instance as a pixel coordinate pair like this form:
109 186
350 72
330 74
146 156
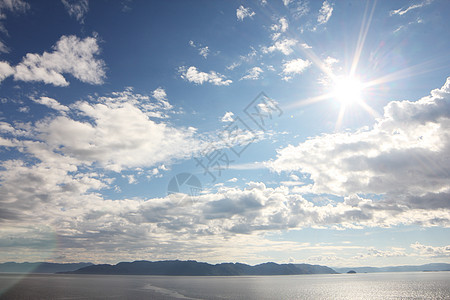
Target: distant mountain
40 267
427 267
194 268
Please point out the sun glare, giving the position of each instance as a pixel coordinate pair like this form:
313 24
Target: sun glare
347 90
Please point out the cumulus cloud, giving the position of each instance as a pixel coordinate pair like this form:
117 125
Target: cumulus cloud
253 74
295 66
70 55
282 25
402 11
430 251
243 12
404 157
227 117
325 13
77 8
284 46
191 74
5 70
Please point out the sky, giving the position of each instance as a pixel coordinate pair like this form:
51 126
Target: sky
289 131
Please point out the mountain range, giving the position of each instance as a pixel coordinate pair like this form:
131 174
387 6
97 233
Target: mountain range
194 268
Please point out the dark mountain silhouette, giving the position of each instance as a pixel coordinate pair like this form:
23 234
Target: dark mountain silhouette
421 268
40 267
194 268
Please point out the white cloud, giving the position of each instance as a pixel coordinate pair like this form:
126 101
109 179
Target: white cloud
404 157
284 46
243 12
295 66
227 117
50 102
282 26
430 251
191 74
301 9
324 13
160 95
14 6
5 70
70 56
202 51
253 74
287 2
243 58
402 11
115 133
77 8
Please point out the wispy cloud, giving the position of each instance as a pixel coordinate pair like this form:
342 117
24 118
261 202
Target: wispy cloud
202 50
77 8
253 74
402 11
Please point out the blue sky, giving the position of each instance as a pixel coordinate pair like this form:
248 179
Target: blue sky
250 131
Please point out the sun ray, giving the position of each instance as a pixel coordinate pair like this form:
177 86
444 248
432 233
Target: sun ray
308 101
340 117
415 70
362 37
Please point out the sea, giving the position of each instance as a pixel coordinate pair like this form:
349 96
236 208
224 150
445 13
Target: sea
408 285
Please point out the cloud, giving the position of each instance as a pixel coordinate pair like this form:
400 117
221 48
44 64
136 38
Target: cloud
70 56
227 117
402 11
301 9
284 46
52 103
324 13
77 8
115 132
191 74
295 66
404 157
202 51
160 95
282 26
287 2
243 12
253 74
14 6
279 28
430 251
5 70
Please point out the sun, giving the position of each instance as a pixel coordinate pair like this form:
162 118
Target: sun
347 90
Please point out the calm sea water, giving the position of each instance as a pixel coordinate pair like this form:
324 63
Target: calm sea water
415 285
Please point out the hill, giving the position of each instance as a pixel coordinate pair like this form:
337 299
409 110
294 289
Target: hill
194 268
